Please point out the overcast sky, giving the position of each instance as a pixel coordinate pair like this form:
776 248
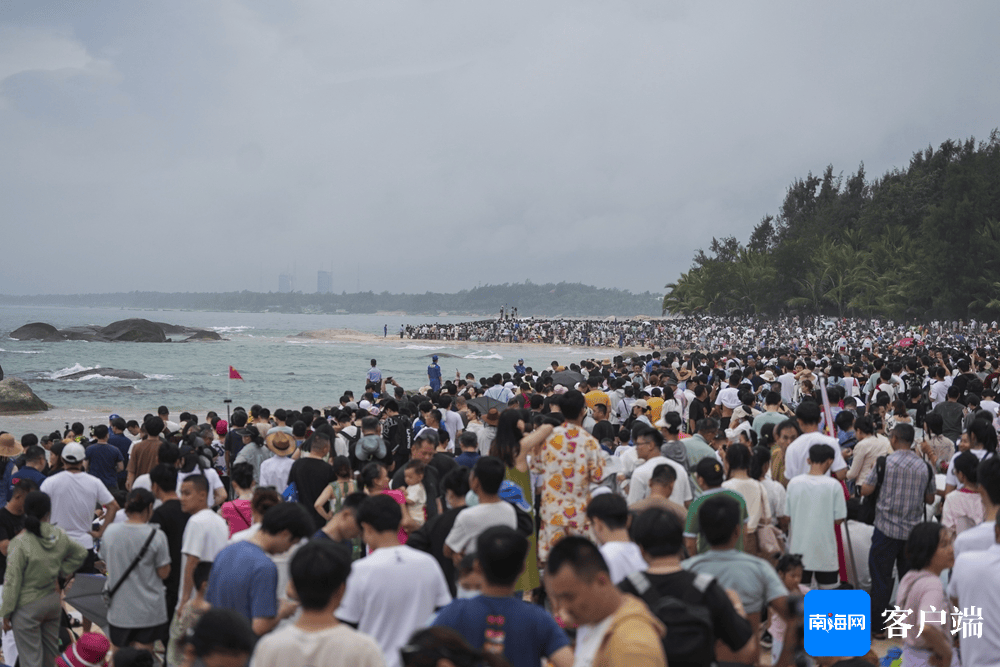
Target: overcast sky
436 144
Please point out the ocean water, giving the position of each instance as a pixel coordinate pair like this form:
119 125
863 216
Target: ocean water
278 369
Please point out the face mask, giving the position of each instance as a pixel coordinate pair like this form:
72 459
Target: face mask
466 593
471 499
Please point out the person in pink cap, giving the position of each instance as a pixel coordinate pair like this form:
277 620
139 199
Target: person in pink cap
90 650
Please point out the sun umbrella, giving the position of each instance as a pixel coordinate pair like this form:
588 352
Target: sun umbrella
905 342
484 403
567 379
85 596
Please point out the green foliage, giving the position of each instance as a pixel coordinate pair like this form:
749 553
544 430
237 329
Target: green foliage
922 242
563 299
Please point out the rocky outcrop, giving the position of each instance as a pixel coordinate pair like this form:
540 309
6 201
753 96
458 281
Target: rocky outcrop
135 330
203 335
16 397
175 329
35 331
106 372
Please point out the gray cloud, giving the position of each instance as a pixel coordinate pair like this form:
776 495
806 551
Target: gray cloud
431 145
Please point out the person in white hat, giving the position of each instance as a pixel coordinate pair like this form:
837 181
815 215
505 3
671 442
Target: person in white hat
74 495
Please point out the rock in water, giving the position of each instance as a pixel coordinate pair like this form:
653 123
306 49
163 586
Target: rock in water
16 397
81 333
106 372
1 373
203 335
134 331
35 331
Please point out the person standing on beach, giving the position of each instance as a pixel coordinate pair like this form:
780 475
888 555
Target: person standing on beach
434 374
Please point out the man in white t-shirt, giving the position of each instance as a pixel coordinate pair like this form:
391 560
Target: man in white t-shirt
74 496
647 448
608 517
164 413
395 589
485 480
787 380
815 504
938 388
797 454
205 535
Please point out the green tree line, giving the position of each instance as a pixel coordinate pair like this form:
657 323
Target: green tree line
562 299
921 242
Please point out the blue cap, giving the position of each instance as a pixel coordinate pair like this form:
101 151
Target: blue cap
512 493
434 357
113 417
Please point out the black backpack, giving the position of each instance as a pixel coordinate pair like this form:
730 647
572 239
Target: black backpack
351 441
866 510
690 631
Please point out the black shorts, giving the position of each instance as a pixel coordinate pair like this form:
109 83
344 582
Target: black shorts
122 637
822 578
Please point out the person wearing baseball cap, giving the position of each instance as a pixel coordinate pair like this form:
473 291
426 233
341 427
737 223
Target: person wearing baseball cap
641 411
709 474
74 495
434 374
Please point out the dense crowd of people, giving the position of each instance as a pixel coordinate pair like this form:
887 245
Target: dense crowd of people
671 508
707 332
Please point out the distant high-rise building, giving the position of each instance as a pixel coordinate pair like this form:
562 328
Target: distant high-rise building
324 282
285 283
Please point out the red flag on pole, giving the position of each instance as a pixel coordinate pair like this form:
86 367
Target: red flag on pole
234 374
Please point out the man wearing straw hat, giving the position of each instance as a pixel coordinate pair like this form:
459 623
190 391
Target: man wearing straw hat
274 471
9 450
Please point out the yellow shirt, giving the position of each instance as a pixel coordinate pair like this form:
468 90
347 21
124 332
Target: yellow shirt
595 396
634 639
655 406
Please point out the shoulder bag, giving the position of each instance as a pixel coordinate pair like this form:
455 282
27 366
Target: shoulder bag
866 511
109 594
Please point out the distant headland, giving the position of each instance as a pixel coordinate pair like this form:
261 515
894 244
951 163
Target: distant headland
530 299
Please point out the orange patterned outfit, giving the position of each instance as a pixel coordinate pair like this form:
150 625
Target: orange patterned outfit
569 461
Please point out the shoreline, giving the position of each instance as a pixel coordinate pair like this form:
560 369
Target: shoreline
352 336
